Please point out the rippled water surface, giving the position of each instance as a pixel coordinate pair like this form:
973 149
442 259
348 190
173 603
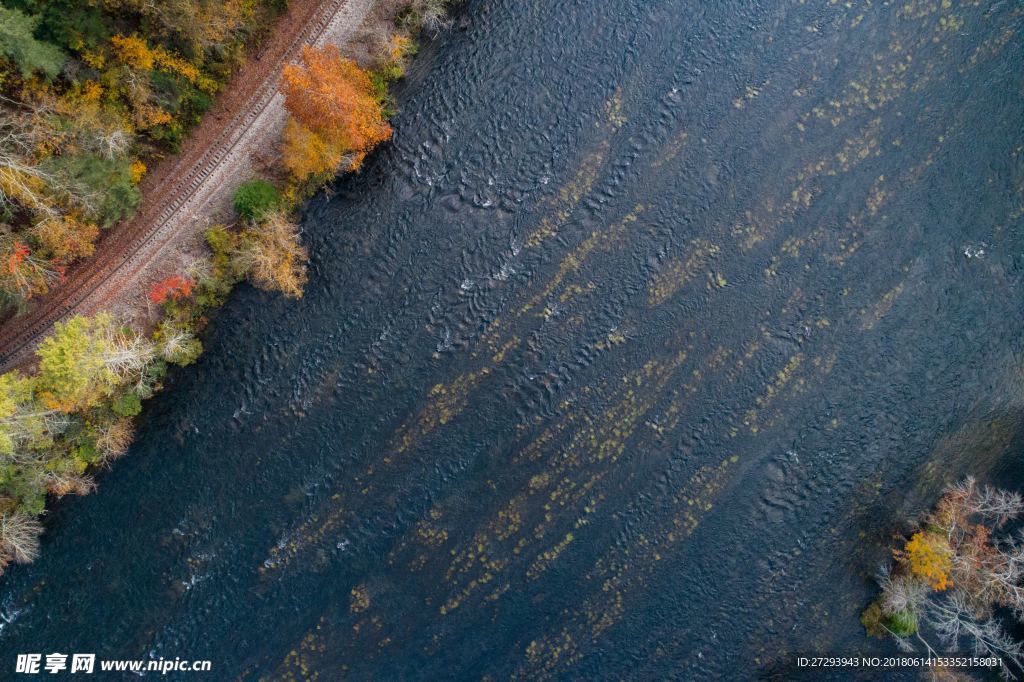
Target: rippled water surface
624 360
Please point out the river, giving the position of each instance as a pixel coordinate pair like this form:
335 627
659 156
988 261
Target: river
625 359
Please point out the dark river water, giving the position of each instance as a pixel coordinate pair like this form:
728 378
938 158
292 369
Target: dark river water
624 360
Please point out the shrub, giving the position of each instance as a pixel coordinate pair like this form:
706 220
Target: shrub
256 198
902 623
176 343
871 619
126 405
173 288
272 255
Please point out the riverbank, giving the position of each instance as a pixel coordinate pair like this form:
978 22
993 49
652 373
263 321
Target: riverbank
73 411
516 388
185 193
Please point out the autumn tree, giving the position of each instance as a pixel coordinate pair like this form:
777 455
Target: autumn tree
202 23
930 558
87 359
24 423
306 153
113 437
23 274
23 181
953 576
271 255
337 114
63 239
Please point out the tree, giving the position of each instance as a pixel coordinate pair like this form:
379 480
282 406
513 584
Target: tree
101 187
255 198
86 359
23 422
19 538
307 153
67 483
22 273
133 51
272 256
930 558
23 181
114 437
202 23
177 344
73 373
18 44
64 239
333 98
430 14
953 575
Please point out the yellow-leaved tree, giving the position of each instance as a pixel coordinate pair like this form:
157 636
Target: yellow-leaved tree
930 558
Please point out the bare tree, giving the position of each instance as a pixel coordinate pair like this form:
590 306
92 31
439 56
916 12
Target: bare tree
901 593
61 484
129 354
19 537
113 438
433 14
953 621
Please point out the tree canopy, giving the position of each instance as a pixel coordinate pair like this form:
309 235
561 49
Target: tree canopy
18 43
337 113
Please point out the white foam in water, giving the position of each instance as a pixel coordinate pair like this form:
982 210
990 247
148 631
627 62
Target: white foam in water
975 251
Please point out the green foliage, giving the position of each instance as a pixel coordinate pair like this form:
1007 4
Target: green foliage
18 43
86 453
126 405
902 623
69 24
256 198
213 286
180 98
73 373
14 391
104 184
186 353
149 379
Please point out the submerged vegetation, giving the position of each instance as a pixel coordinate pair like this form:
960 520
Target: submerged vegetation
958 579
117 96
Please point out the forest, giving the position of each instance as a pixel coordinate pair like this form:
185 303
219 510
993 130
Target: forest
92 94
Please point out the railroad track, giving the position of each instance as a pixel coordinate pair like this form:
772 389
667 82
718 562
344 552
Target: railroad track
124 252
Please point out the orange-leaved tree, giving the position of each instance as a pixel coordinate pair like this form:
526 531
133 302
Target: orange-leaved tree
930 558
337 117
